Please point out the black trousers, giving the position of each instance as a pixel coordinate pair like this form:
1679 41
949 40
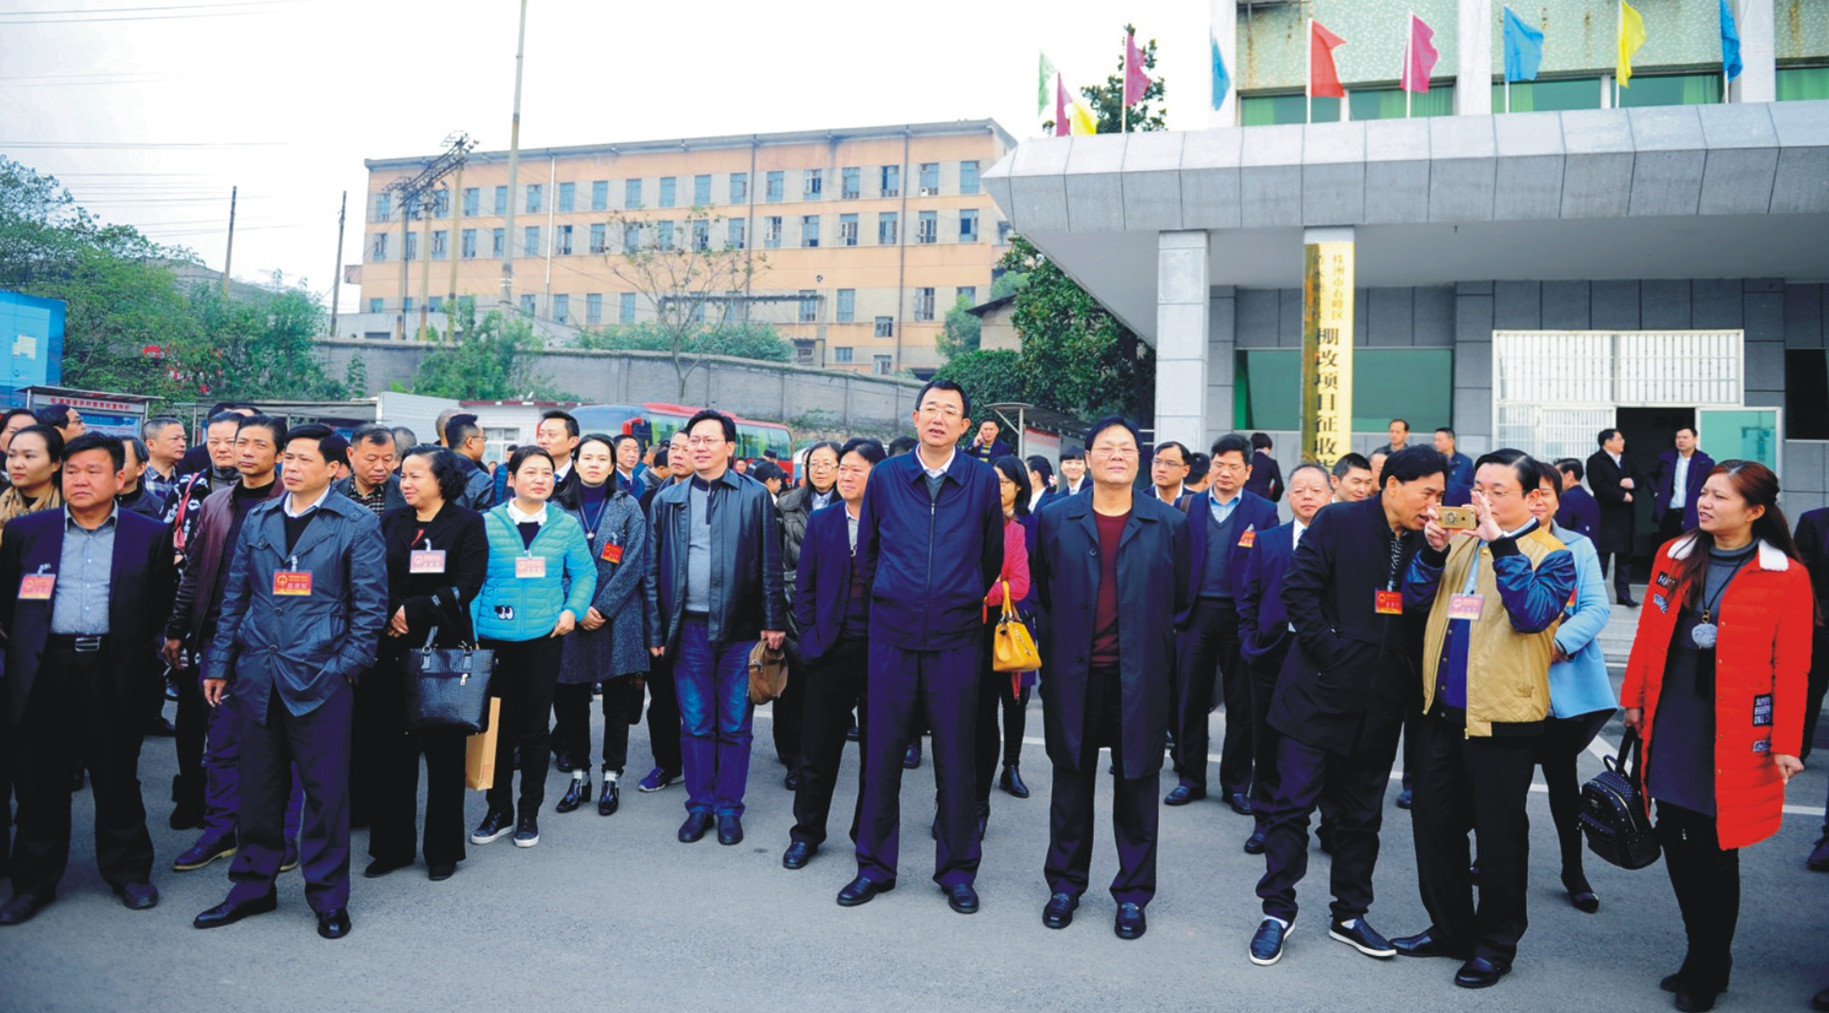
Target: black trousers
1350 789
526 673
75 717
1621 568
193 726
834 685
1670 525
1707 884
1135 809
1478 784
1265 740
393 832
788 710
999 708
572 722
1563 741
663 716
1819 683
365 750
317 745
1208 646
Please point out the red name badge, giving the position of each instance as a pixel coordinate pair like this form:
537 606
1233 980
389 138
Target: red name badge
426 561
530 567
37 586
292 583
1466 606
1389 603
612 553
1248 539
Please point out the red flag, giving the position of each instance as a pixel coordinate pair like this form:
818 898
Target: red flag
1323 79
1135 81
1419 62
1060 107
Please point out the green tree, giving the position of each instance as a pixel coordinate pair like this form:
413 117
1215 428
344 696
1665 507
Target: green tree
1106 99
490 360
961 332
252 349
1076 357
993 377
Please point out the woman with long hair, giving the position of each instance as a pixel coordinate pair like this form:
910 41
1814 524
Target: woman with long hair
1715 688
1007 692
34 466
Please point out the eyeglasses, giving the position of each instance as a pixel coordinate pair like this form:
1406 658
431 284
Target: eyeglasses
1228 467
1119 453
1168 462
944 411
704 441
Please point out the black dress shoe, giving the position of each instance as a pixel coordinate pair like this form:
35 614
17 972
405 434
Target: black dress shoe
798 854
1425 944
23 907
862 890
1130 923
438 872
577 792
379 867
138 896
230 912
1058 912
912 758
1820 1000
1692 1001
1581 894
608 800
1241 803
1626 602
962 898
730 829
1267 942
1254 845
1819 857
695 827
333 924
1182 794
1479 973
1011 781
204 852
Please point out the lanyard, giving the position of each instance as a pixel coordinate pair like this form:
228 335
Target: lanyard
592 524
1708 606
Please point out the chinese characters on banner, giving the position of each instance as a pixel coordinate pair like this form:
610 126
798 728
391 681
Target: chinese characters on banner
1327 352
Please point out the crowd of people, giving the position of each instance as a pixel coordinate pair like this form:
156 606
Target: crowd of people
1417 599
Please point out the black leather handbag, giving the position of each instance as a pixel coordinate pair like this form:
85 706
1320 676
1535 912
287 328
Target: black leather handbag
447 688
1614 817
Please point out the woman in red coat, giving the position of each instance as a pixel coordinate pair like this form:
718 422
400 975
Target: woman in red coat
1715 687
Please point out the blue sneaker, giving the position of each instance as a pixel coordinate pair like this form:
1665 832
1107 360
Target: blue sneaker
658 778
1267 944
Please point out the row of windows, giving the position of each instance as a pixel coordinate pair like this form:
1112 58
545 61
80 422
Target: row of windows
886 181
846 308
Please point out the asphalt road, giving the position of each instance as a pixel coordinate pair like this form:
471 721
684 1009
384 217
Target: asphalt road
614 913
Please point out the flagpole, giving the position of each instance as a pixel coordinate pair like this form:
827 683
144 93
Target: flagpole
1308 68
1504 71
1403 80
1727 83
1124 90
1619 34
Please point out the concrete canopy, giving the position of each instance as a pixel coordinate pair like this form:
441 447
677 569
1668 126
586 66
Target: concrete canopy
1736 190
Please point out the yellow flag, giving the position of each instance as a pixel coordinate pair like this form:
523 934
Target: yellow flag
1631 37
1083 120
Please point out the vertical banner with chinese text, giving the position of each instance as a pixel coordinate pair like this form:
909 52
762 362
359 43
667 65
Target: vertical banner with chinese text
1327 350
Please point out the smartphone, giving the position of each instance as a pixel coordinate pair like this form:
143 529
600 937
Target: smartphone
1459 518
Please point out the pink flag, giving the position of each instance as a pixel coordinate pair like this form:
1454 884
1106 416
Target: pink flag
1060 107
1419 57
1135 81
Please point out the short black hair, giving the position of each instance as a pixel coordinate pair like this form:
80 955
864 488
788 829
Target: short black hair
1039 464
1529 472
1412 463
53 440
217 418
1173 444
619 439
333 448
149 429
445 470
1400 422
1348 462
765 469
1073 453
1093 431
902 445
521 454
372 432
95 441
1232 443
660 457
459 428
571 423
404 437
1446 429
864 447
965 400
140 453
53 415
1573 466
1198 466
1013 468
267 422
1261 441
725 422
1307 466
1605 435
1691 430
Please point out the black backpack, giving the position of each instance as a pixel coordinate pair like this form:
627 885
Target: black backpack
1614 816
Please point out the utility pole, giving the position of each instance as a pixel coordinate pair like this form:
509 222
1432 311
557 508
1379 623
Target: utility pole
228 259
454 249
514 163
413 192
425 264
336 279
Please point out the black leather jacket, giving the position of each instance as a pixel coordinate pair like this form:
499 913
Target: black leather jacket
745 594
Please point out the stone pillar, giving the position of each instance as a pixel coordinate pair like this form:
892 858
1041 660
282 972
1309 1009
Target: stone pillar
1474 67
1758 81
1225 32
1181 336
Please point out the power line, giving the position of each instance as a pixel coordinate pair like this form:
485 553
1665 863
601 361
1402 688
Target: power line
138 145
170 13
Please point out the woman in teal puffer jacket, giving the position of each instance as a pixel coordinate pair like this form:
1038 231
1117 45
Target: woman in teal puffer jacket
541 579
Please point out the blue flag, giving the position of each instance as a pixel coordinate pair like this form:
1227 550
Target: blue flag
1730 43
1523 49
1221 80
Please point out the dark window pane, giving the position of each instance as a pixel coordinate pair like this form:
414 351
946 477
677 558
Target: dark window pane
1806 394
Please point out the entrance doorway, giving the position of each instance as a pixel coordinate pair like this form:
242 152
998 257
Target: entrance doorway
1649 432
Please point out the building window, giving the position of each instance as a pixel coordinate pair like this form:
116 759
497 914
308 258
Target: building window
809 230
631 237
815 180
1548 96
625 307
850 182
631 194
436 303
701 190
1671 90
669 191
467 244
384 206
374 306
498 243
473 201
885 228
1388 103
600 195
927 227
379 251
968 225
967 293
406 305
881 364
441 203
593 308
930 179
663 235
771 232
536 194
501 200
847 305
809 306
847 230
885 327
1798 84
440 244
599 238
568 193
1806 394
1264 110
530 241
841 355
412 246
562 308
734 233
968 177
776 185
924 304
701 235
739 187
528 306
1003 233
564 238
889 183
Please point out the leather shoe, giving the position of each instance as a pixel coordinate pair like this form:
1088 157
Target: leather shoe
962 898
1583 897
797 855
230 912
695 827
912 758
1241 803
1182 794
138 896
1425 944
1267 942
1058 913
1011 781
1819 858
378 868
862 890
608 800
1479 973
1254 845
333 924
1626 602
438 872
730 829
23 907
1406 798
1130 923
577 792
1691 1001
204 852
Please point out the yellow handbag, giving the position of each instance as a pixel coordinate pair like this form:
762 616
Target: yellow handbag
1013 649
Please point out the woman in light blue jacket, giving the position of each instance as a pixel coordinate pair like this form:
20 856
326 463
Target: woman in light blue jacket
540 581
1582 699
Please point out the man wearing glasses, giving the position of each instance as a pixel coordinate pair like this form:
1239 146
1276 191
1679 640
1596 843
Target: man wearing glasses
931 539
1167 470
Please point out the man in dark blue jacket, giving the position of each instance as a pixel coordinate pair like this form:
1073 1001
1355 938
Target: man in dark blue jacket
1579 512
1460 469
1224 523
1111 573
1678 484
302 613
931 536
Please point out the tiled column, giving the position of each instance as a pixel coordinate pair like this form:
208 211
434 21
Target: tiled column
1181 337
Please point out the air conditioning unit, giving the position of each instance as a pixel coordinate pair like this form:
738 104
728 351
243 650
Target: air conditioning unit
929 191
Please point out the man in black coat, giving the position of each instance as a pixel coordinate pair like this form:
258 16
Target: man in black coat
1614 481
1111 573
1341 697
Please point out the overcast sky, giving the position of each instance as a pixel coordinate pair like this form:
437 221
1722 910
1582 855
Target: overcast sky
149 111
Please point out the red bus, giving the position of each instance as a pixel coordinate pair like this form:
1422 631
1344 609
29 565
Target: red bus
662 420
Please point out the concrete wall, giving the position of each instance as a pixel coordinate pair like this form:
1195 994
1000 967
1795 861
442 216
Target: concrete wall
759 390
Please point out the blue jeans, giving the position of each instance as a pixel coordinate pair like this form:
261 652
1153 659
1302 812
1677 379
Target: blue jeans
715 718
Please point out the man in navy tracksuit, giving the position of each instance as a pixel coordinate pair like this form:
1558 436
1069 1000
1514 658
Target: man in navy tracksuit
931 537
